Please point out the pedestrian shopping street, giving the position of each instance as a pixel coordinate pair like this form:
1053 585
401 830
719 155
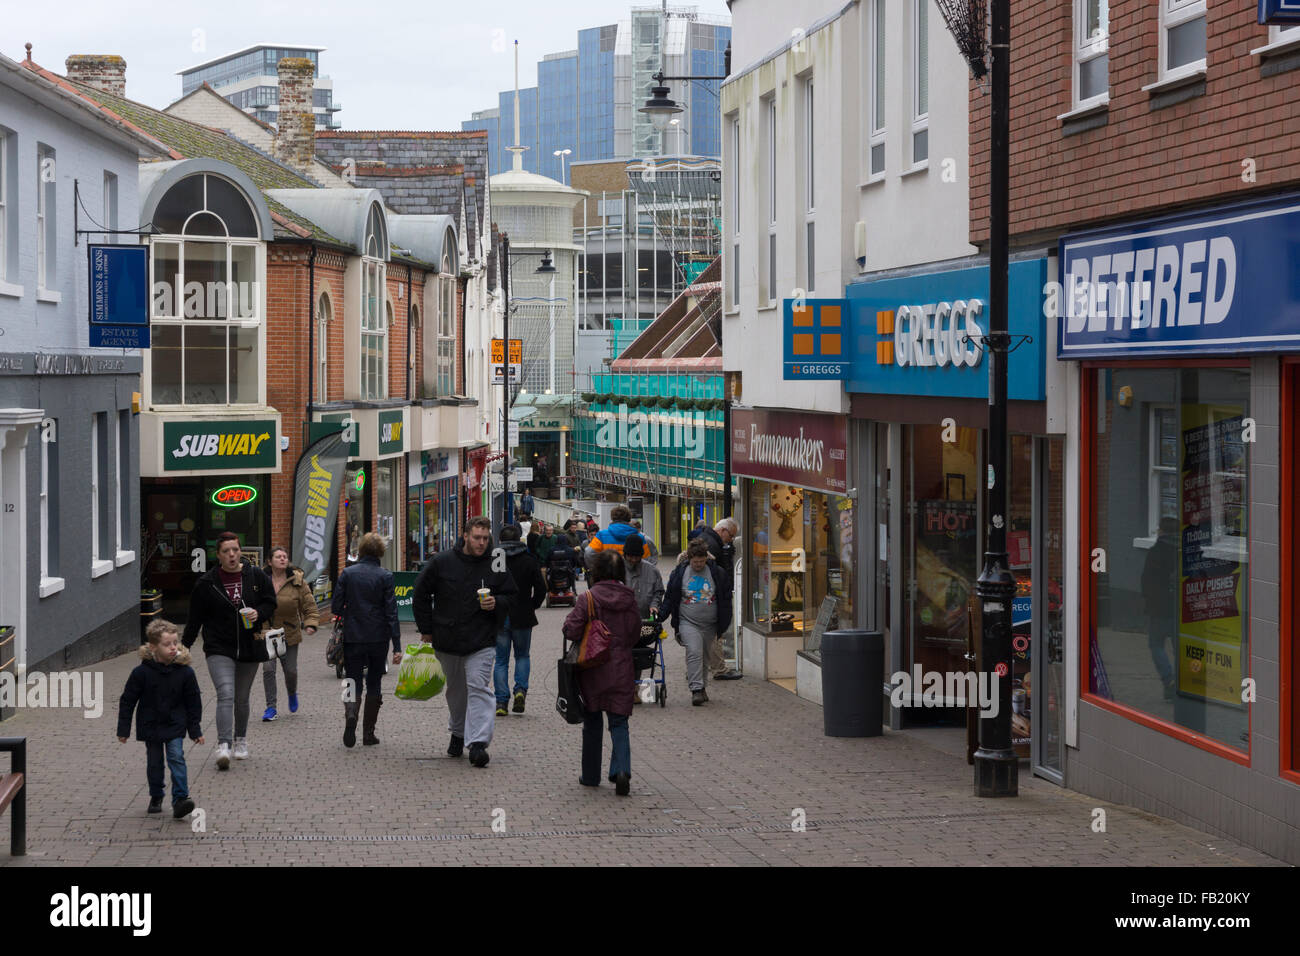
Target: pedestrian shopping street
727 783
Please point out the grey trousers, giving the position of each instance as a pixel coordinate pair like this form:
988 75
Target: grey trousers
290 662
698 643
471 700
234 683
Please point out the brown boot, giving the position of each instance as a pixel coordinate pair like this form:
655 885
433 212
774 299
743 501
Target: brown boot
350 723
373 703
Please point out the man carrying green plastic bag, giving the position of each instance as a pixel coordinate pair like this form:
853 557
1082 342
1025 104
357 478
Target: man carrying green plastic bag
420 676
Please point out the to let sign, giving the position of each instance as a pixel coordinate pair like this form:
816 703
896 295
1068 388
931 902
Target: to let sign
802 449
119 297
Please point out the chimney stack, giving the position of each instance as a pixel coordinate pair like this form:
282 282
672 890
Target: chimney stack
101 71
295 137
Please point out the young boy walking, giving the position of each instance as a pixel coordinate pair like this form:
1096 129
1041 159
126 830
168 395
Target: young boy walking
167 693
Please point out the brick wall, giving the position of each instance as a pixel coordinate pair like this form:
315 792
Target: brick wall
1142 160
290 356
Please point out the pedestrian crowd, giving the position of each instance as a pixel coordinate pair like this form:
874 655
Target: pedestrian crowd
475 611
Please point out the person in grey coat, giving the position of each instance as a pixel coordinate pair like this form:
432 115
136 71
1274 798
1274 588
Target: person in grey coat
647 585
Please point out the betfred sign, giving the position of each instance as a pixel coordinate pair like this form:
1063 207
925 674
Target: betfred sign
793 448
1218 283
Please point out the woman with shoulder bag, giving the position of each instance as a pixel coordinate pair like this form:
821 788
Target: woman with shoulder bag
607 688
295 611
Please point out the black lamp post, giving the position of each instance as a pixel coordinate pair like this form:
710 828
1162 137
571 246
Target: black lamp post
997 770
546 268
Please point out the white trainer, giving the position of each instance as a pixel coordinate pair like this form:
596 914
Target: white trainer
223 756
241 748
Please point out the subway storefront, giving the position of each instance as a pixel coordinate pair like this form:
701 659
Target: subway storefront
200 477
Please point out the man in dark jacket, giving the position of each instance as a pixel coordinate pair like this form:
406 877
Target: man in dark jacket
518 630
229 604
463 626
366 599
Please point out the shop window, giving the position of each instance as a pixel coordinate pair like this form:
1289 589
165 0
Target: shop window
206 303
800 561
1169 635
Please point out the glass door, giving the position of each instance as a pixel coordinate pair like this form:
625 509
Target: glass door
1048 620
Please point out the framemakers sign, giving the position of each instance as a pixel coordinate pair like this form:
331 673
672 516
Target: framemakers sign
1216 283
795 448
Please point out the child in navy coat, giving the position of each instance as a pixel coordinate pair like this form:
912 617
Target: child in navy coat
167 694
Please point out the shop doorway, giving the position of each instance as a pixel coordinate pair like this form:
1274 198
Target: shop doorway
1047 692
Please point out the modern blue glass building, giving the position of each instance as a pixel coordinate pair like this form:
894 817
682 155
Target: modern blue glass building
576 106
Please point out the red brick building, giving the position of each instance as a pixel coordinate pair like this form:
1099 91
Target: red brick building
1153 156
277 304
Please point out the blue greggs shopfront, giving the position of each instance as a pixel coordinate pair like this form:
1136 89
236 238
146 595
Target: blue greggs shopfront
1187 331
909 349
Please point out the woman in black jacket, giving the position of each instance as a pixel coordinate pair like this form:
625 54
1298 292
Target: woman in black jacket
366 600
229 604
518 629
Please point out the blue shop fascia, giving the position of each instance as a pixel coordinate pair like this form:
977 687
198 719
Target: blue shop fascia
908 346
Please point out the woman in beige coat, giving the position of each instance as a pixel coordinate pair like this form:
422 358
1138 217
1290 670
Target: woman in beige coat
295 611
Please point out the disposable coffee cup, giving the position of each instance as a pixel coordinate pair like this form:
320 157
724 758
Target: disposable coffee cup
483 594
246 614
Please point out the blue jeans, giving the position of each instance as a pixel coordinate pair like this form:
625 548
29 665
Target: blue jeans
522 639
620 758
175 756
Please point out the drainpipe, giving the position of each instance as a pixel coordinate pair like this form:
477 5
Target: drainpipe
409 310
311 333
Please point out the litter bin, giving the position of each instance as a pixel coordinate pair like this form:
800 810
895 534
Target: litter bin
853 678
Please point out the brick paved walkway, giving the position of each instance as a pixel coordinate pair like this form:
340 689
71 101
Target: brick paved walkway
711 785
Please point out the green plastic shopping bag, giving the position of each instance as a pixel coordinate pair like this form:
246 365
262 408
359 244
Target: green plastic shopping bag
420 676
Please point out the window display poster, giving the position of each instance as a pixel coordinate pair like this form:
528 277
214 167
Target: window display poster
1212 524
946 565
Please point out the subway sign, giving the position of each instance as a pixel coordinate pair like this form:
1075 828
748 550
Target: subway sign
219 445
233 496
1216 283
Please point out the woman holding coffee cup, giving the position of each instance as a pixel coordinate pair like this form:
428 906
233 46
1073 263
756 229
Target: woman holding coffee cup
229 604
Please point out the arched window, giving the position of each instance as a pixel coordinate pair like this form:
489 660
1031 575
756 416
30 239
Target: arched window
375 318
323 315
208 266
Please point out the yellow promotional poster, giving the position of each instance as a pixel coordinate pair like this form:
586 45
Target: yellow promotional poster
1212 494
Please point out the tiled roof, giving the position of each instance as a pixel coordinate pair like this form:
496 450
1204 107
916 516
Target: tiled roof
410 168
191 141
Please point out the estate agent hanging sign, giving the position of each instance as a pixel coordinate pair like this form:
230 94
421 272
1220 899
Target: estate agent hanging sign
1204 283
802 448
119 297
219 446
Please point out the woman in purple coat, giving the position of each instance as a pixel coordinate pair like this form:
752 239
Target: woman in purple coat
608 688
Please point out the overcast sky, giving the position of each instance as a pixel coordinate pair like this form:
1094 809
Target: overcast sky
396 64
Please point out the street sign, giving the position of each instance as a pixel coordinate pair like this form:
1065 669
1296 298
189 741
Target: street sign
119 297
523 474
499 375
514 434
499 361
